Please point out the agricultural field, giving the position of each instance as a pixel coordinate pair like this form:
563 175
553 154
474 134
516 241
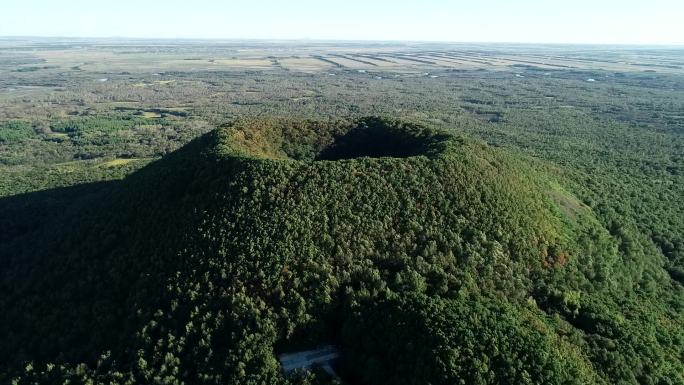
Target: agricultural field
201 207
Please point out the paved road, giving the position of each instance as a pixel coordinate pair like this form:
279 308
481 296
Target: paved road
322 356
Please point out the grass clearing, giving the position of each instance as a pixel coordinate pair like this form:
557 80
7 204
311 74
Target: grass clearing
118 162
151 115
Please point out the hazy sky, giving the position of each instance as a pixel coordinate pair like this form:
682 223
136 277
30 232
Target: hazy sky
578 21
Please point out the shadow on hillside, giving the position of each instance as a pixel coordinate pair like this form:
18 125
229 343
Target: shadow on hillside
25 214
72 258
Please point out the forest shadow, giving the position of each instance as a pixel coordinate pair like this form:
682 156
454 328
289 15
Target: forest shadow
26 214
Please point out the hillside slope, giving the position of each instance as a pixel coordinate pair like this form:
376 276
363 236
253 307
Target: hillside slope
269 235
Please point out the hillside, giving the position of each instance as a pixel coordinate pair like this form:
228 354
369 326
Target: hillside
268 235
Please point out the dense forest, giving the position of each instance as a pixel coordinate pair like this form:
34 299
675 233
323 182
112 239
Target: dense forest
267 234
478 228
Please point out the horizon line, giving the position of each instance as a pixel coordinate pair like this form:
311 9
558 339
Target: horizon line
333 40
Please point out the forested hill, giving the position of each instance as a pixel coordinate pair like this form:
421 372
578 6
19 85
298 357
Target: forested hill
424 256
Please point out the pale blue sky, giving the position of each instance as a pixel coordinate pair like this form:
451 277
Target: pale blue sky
578 21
